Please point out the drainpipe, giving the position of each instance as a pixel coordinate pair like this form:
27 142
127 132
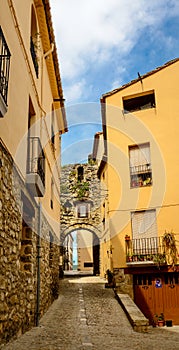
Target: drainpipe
38 265
49 51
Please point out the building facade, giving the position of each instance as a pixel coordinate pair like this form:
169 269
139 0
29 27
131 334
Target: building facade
138 168
85 251
32 119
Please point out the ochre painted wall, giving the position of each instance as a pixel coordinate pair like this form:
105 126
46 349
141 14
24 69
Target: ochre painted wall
158 126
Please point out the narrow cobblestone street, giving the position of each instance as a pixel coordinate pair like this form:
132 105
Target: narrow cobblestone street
87 316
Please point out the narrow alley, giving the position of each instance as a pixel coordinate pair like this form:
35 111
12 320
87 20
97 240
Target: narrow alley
87 316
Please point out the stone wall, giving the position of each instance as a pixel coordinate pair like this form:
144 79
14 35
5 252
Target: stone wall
81 188
123 282
70 193
18 255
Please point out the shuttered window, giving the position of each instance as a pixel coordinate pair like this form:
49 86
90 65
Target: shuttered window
140 165
83 210
139 155
144 232
144 224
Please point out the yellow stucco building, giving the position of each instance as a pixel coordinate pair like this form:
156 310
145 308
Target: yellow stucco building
139 170
32 119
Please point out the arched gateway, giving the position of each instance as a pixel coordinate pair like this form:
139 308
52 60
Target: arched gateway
80 206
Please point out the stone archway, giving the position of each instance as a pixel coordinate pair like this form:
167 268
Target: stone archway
95 242
81 204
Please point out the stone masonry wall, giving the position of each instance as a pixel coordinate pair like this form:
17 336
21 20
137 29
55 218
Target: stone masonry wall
70 193
123 282
18 256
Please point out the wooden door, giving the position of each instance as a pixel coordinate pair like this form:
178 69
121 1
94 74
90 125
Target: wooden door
171 297
144 295
158 293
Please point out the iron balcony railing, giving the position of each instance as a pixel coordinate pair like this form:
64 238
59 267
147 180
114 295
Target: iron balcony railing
4 67
36 158
145 249
141 175
140 169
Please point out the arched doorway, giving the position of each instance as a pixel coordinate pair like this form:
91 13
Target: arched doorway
81 249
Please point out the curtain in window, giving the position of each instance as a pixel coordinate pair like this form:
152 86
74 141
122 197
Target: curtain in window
144 231
82 211
139 155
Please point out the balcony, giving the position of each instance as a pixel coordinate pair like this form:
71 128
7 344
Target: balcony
4 73
141 175
35 178
145 251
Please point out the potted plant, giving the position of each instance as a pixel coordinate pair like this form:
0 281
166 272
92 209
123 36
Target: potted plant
159 259
159 320
170 248
129 257
127 238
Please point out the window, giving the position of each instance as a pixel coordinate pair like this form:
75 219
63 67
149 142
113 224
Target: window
144 223
52 129
80 173
88 264
83 210
140 165
144 231
139 102
4 73
35 167
52 194
34 42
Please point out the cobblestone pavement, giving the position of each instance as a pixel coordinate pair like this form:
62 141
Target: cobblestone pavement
87 316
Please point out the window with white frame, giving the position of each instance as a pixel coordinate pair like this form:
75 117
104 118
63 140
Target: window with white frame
83 210
140 165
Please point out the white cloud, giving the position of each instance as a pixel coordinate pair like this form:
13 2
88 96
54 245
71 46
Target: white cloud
88 31
76 89
95 41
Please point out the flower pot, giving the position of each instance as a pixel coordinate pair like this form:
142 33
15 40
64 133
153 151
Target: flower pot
129 259
161 323
127 238
168 323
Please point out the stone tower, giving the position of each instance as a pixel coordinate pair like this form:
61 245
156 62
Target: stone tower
81 204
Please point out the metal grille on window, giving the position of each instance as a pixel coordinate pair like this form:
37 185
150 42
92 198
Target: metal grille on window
4 67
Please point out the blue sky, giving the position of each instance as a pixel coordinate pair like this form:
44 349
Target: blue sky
102 44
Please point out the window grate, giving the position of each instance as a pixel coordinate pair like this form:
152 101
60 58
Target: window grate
4 67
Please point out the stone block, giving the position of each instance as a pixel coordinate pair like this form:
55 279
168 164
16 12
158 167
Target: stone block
138 321
3 308
28 267
28 250
13 299
2 283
